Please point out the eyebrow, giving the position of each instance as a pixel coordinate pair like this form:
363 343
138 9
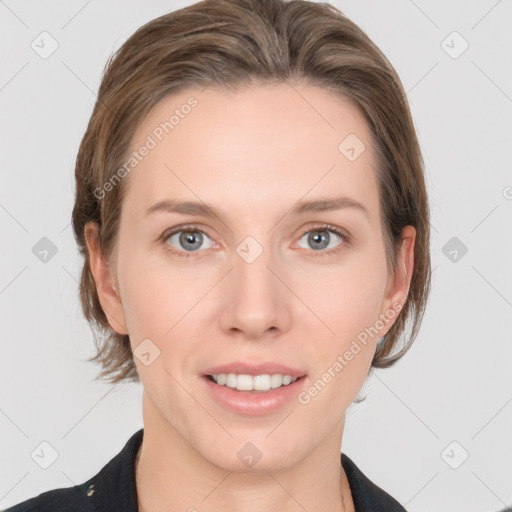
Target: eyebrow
203 209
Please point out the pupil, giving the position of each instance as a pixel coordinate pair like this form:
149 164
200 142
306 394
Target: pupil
188 238
318 238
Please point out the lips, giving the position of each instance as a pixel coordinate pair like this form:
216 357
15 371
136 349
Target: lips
255 402
261 399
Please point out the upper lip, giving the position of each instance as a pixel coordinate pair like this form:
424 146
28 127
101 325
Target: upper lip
264 368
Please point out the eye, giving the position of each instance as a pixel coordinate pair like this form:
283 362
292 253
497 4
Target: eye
186 240
321 238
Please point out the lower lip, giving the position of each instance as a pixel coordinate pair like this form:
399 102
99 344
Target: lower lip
254 403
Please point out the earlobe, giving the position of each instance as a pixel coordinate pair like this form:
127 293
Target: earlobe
104 280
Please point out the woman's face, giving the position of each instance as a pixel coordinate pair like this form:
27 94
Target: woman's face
261 281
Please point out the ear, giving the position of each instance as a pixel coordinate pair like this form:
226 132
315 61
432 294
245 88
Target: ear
397 288
105 282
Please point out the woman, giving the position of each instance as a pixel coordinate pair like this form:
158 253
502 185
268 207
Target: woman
251 208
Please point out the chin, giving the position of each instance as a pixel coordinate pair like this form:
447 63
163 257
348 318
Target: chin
252 454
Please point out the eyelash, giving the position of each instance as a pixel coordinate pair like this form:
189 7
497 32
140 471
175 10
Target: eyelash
318 227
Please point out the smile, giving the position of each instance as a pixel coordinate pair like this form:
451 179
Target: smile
261 383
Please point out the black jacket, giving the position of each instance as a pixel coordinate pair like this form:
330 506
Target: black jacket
113 489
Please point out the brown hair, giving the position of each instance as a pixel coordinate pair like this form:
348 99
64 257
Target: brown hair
231 43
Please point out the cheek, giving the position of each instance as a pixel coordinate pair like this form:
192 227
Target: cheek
348 298
340 360
152 293
348 302
164 302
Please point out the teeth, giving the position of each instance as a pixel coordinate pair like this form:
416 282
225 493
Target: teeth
253 383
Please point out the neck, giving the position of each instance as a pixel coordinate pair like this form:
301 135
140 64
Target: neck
171 475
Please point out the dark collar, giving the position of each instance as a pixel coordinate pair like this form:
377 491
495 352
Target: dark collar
366 495
113 489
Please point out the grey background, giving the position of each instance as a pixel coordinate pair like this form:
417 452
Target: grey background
454 384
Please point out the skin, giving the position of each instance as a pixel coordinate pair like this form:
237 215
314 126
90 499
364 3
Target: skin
251 154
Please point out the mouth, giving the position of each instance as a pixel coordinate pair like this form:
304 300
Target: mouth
254 390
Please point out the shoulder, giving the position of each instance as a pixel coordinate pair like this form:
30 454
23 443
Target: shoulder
367 496
113 488
56 500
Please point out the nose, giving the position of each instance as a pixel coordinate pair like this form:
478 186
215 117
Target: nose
255 302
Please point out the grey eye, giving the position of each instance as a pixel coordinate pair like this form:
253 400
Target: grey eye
190 240
319 239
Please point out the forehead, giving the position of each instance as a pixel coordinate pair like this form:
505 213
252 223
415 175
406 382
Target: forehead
264 145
